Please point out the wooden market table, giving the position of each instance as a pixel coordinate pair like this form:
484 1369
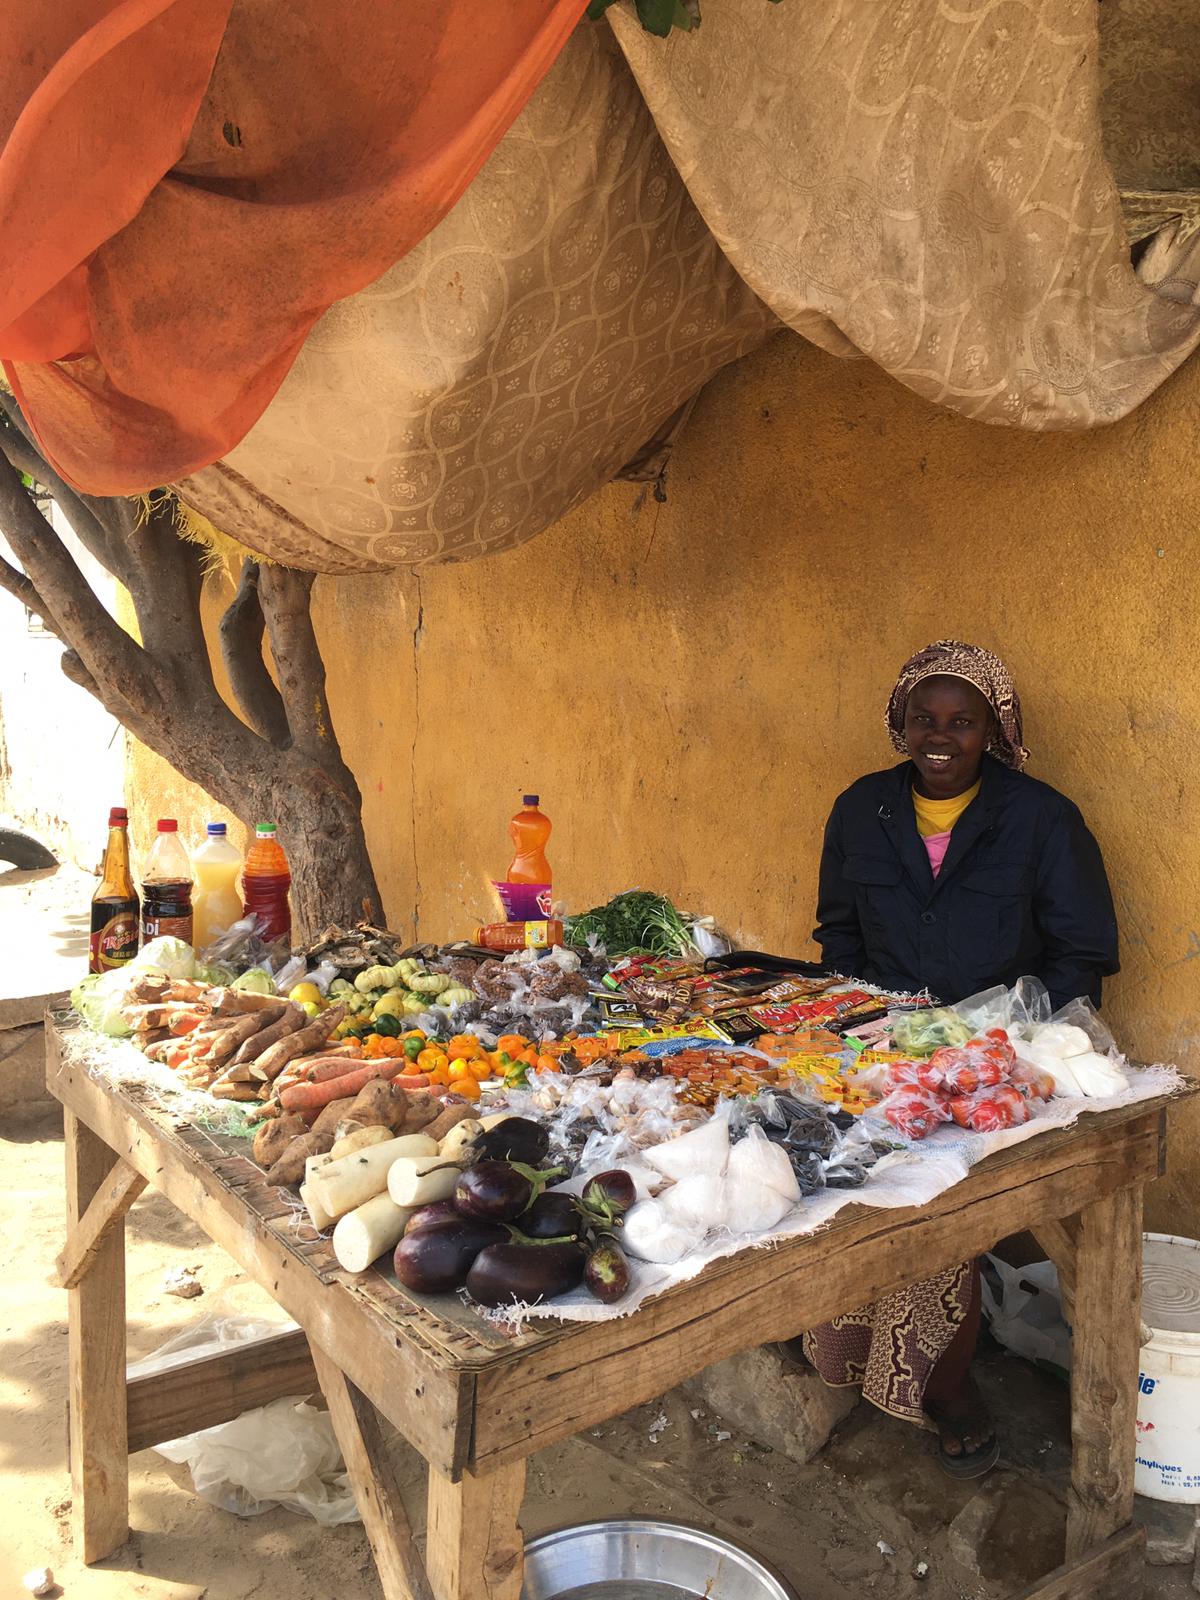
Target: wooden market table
477 1402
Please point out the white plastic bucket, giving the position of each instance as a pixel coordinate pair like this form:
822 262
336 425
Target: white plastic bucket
1168 1423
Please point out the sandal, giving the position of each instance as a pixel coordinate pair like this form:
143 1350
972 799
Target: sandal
791 1353
955 1421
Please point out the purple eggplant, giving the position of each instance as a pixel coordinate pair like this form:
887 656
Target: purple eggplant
552 1216
608 1196
439 1257
521 1274
436 1212
493 1190
514 1139
606 1271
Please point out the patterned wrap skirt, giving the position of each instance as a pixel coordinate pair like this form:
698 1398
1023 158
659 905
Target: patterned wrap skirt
891 1347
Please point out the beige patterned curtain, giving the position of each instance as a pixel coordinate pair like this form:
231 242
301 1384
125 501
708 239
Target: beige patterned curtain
920 183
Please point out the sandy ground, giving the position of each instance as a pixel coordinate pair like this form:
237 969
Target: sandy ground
44 926
820 1524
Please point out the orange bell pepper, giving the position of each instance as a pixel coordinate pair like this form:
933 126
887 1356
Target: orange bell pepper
512 1044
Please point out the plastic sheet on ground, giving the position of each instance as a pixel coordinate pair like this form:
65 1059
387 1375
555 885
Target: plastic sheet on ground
910 1177
281 1454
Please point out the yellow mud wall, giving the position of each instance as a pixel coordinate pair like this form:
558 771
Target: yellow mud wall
688 685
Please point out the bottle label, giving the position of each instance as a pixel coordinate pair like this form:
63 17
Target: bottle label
115 943
167 920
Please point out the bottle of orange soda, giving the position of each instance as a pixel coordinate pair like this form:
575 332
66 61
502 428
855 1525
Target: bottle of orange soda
525 891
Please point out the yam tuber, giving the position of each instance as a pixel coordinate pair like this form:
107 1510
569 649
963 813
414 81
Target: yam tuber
231 1039
381 1103
332 1115
449 1118
292 1020
289 1168
420 1180
273 1138
238 1002
272 1063
319 1219
359 1139
342 1185
423 1108
365 1233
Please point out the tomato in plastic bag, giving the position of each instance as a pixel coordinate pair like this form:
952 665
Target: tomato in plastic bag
915 1112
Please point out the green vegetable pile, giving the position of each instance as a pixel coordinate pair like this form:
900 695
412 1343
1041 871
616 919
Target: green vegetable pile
634 923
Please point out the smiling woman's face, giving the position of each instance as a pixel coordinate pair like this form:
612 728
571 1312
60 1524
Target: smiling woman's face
947 725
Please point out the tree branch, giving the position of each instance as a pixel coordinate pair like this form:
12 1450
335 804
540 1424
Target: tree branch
93 531
165 579
19 586
107 652
74 669
242 629
285 594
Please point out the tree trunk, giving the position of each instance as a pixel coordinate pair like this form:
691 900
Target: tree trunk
320 828
280 762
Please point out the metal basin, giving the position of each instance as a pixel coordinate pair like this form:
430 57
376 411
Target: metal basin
627 1559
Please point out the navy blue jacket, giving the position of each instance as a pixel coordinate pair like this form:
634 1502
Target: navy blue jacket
1022 890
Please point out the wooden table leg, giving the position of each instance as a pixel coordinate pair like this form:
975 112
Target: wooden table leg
96 1360
1104 1367
356 1424
474 1548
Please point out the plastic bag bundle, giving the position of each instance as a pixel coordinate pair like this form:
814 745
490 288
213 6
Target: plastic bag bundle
823 1154
920 1033
282 1454
915 1112
978 1064
991 1109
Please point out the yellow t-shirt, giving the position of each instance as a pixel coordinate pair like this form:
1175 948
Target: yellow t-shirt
939 816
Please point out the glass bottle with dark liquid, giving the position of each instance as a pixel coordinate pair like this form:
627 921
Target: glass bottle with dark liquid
167 887
114 938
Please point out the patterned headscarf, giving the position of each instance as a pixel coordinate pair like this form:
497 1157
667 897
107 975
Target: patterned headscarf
950 658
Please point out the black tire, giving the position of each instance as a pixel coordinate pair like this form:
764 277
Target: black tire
23 852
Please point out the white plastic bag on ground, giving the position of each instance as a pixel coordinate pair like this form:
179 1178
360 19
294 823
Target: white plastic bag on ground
1024 1310
282 1454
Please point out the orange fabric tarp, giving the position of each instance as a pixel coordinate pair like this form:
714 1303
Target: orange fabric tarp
187 185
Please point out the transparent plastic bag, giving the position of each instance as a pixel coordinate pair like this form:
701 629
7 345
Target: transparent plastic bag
282 1454
914 1112
1024 1006
920 1033
1082 1013
990 1110
962 1069
210 1335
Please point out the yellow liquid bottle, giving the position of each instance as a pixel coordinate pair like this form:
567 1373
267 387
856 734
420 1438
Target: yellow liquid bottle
216 902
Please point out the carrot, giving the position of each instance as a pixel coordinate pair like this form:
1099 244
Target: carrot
311 1096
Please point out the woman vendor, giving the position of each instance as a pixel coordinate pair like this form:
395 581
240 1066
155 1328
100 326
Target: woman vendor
952 872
